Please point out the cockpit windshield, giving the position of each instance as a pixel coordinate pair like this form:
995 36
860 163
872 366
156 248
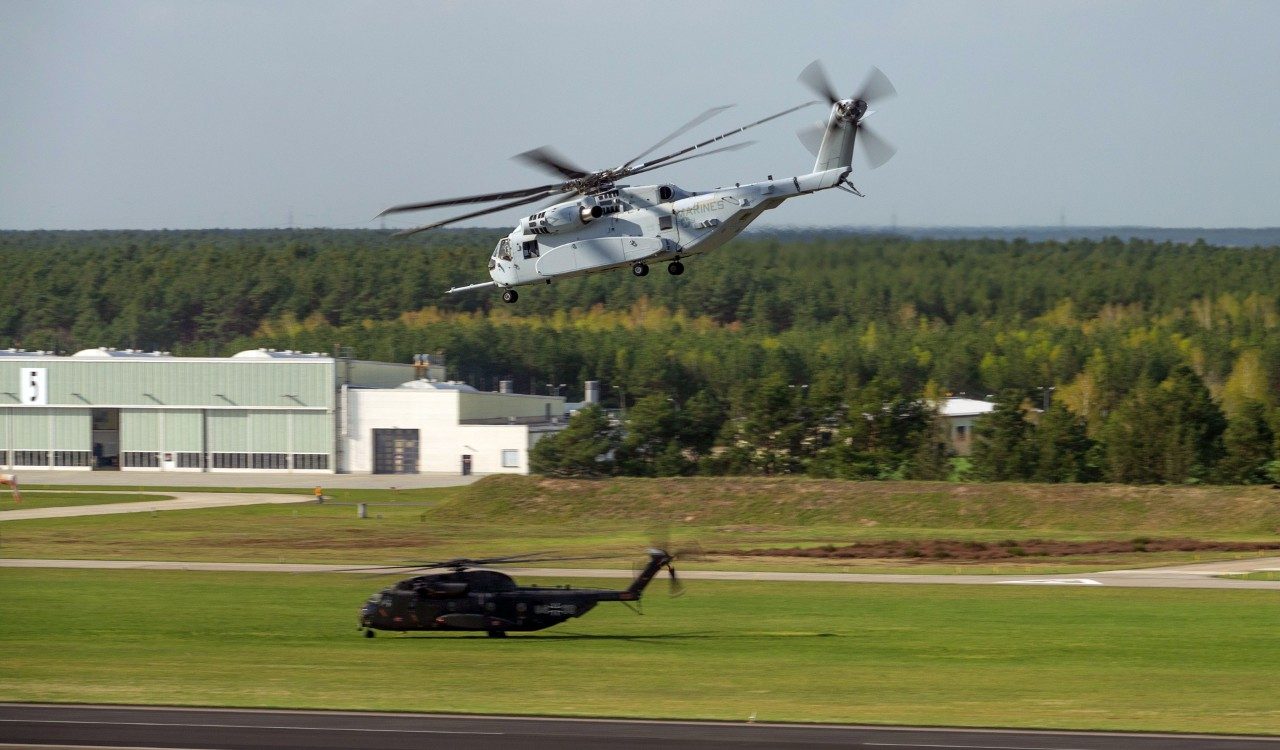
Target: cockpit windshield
503 250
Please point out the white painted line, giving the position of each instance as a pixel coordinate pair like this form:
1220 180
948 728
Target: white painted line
965 746
29 746
1060 582
238 726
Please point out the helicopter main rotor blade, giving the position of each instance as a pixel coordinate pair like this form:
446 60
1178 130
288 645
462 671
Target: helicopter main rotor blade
663 160
815 77
690 125
550 160
733 147
878 150
483 198
875 87
481 212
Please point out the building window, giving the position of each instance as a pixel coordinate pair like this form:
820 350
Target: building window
140 460
269 461
73 458
31 458
231 460
960 432
187 460
510 459
312 461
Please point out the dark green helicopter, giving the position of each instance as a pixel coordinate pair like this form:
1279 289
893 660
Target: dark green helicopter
468 597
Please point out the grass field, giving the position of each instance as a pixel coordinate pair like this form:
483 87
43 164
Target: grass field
1178 660
56 499
512 514
1257 575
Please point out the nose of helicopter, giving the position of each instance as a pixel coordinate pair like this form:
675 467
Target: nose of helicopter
368 611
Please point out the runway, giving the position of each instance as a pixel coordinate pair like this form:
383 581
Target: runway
168 501
214 729
1192 576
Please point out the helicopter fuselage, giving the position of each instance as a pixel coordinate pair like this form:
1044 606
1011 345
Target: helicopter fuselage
478 599
626 226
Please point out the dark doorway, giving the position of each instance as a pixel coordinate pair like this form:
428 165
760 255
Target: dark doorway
395 451
106 439
466 464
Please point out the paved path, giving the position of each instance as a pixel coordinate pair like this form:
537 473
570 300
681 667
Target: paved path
215 729
144 479
169 501
1198 576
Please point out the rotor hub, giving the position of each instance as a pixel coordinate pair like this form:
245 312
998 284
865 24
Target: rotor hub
853 109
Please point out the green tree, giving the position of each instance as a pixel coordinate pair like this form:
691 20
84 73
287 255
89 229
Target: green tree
1135 437
1195 427
652 431
1062 447
583 449
1002 447
1249 446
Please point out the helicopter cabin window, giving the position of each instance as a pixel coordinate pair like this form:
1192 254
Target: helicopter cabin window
665 222
530 249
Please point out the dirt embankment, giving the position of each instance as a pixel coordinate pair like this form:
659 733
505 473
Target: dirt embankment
948 549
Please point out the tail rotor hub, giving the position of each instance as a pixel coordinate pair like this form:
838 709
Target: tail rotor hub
852 110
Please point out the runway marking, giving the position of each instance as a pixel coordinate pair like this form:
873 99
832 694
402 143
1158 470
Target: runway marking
965 746
1053 582
240 726
29 746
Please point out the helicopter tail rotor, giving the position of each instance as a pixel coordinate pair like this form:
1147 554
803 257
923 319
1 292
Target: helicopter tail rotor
823 140
676 588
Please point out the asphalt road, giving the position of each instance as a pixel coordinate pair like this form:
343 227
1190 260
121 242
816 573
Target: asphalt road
208 729
1195 575
167 501
198 479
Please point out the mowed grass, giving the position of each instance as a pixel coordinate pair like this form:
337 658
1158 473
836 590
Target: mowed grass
503 515
57 499
1075 658
1257 575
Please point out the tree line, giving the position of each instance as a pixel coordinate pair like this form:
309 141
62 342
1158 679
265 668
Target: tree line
776 354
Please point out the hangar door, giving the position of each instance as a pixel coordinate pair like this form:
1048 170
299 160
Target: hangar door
395 451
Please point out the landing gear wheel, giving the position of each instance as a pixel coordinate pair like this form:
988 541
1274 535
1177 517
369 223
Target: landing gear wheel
640 269
497 634
369 633
510 295
675 268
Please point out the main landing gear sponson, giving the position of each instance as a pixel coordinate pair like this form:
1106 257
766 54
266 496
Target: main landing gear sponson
675 268
510 295
640 269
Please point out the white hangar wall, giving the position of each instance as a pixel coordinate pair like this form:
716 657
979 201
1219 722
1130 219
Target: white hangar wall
431 427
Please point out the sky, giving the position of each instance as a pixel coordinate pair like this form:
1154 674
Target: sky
149 115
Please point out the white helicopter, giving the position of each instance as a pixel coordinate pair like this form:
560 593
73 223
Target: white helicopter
606 225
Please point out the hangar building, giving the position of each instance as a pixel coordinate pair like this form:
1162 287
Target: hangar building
259 410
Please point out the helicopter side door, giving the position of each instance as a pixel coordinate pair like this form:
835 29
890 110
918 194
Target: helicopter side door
597 254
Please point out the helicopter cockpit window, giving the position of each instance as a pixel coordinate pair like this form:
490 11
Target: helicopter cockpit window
504 249
530 249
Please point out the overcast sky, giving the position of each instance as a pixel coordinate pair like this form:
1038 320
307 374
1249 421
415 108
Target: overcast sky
238 114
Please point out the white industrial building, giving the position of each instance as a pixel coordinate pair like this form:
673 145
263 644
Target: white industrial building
259 410
961 414
488 433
